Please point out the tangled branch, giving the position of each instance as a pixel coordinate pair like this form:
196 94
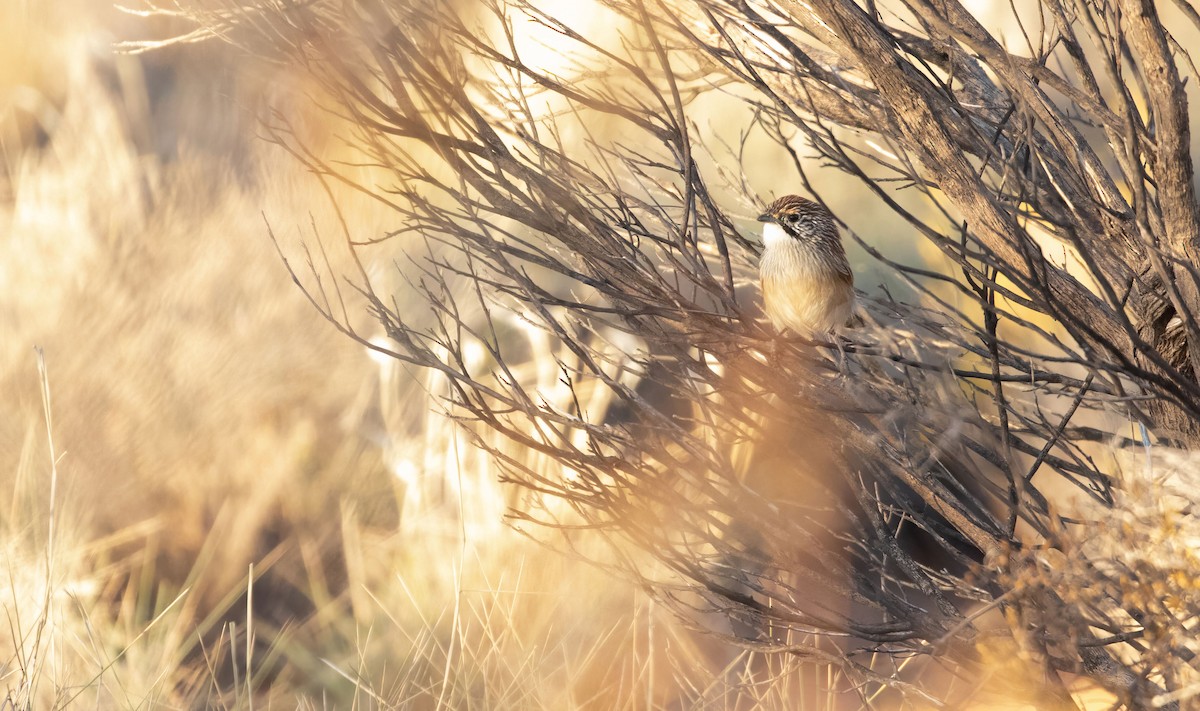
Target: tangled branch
886 497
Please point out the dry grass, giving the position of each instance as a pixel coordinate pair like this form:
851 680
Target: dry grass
235 507
248 510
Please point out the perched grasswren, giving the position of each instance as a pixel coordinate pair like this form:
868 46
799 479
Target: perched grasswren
807 284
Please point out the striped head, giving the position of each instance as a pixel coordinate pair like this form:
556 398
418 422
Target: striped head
807 284
792 217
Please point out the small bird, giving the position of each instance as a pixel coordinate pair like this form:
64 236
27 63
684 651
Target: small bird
807 284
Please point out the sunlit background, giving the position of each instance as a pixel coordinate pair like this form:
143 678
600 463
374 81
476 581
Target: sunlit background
211 498
239 505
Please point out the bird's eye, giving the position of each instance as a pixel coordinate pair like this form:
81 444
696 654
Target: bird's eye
793 219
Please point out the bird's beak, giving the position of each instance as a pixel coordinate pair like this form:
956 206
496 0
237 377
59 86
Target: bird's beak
766 217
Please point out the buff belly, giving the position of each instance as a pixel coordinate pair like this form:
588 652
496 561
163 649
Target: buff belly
803 294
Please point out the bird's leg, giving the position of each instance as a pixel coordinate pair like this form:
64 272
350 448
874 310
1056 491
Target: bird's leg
840 361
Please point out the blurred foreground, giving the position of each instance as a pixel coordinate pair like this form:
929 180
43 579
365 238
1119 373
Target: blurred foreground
236 506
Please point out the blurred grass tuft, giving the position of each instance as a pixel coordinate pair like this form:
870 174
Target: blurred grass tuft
229 468
249 509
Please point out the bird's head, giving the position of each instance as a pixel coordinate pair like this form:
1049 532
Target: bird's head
792 217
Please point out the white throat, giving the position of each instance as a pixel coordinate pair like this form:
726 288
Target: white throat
774 235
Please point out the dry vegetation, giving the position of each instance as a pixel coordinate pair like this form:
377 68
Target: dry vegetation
209 430
217 500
